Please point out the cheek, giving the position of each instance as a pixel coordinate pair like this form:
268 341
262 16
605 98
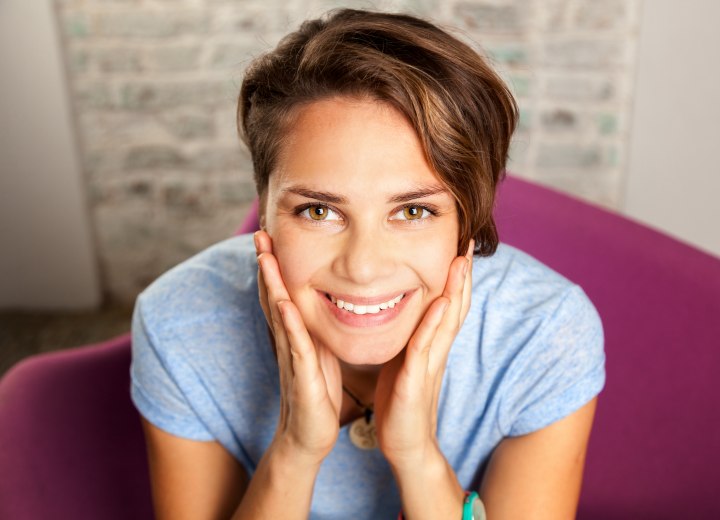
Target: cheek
431 261
298 257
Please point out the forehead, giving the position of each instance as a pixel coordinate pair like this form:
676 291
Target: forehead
352 145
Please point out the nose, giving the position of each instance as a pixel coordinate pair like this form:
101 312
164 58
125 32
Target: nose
366 256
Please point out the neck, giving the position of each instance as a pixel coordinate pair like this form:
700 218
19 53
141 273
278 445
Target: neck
360 380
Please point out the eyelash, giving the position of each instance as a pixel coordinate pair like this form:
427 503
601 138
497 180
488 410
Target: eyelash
432 210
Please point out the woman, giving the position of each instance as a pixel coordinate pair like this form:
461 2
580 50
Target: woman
397 357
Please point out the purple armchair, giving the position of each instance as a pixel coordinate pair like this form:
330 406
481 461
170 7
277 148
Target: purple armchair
71 444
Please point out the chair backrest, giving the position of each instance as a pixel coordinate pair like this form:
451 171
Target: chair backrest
71 443
655 447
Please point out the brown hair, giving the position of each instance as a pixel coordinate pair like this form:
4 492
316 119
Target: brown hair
461 110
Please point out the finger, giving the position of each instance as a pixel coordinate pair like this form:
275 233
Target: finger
467 287
457 291
270 283
273 279
263 294
330 368
453 292
263 242
306 366
419 346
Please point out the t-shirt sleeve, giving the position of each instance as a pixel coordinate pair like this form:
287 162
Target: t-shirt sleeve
561 368
155 388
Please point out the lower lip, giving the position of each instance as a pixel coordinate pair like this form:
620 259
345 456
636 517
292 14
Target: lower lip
366 320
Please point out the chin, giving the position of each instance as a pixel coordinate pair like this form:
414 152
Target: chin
365 351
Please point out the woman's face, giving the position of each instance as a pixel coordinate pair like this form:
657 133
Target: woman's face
357 214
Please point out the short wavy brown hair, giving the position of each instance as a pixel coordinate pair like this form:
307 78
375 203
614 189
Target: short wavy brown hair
462 111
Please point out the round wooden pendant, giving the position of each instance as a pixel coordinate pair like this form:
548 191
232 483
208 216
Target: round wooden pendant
362 433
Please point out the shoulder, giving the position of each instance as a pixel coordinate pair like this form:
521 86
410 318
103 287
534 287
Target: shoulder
199 340
515 284
521 299
220 279
542 335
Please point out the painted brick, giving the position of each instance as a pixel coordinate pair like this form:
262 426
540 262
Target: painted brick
489 17
173 58
145 95
560 120
118 59
582 53
607 123
216 159
189 124
79 61
520 85
235 191
580 88
108 129
231 56
595 15
98 163
90 95
146 23
153 157
569 156
250 20
518 155
511 55
188 198
76 24
525 120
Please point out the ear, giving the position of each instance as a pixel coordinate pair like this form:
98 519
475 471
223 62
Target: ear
262 221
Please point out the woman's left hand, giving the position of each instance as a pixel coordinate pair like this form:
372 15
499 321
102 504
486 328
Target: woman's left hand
408 387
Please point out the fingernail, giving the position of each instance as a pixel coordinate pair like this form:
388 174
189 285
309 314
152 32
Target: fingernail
256 240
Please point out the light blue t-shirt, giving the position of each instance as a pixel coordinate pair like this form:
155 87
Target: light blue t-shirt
530 352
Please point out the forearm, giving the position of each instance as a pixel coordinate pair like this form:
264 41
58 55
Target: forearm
429 488
281 487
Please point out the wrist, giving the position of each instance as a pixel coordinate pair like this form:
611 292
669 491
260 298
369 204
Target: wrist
429 487
286 454
429 457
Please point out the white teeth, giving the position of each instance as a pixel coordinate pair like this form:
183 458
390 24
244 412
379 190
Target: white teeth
366 309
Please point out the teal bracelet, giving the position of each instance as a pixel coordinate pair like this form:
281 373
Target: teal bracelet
472 506
467 508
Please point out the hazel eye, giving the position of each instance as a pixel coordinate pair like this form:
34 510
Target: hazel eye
412 213
319 212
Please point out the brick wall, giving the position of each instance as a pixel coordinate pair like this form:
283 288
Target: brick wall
154 85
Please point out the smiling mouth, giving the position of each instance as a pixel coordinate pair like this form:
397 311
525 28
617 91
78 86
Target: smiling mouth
364 309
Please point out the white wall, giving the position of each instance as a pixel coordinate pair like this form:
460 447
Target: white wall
673 178
46 254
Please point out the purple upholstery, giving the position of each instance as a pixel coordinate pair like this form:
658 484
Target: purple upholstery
71 445
655 447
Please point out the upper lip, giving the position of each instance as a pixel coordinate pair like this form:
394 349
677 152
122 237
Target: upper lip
366 300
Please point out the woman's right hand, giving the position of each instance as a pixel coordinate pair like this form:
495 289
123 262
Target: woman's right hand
310 377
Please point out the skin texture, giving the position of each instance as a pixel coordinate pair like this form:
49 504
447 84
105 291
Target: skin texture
364 152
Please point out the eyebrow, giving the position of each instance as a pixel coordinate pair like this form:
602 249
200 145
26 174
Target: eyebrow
332 198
